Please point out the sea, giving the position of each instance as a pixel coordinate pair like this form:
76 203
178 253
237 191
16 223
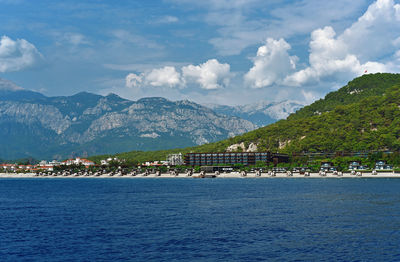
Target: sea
122 219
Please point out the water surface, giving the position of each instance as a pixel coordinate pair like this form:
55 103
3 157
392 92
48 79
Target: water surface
199 219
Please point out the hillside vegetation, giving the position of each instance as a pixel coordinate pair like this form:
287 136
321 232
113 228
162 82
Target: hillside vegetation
356 90
363 115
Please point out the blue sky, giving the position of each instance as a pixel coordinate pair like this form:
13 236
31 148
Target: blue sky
220 51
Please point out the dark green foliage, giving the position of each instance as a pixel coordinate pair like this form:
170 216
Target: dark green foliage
356 90
370 124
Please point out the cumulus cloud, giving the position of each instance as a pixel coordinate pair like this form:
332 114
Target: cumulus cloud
363 46
333 56
133 80
209 75
271 64
368 45
329 56
165 76
309 97
17 54
376 33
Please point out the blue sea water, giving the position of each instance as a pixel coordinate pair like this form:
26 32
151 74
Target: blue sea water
199 220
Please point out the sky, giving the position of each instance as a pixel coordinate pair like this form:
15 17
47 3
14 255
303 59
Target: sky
211 51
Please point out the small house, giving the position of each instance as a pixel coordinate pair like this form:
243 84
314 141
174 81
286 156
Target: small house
356 165
327 167
382 165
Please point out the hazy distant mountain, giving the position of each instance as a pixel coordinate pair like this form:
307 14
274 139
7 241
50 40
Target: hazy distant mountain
261 113
32 124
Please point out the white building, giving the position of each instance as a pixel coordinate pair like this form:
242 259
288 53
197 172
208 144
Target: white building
77 161
51 163
175 159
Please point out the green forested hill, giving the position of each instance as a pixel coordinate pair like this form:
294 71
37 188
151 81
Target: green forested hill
373 123
356 90
363 115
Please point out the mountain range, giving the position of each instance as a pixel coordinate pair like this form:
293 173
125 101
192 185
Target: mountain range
34 125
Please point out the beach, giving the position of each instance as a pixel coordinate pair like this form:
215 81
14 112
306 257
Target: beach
209 175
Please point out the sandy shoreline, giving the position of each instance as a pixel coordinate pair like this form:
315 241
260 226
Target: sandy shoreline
222 175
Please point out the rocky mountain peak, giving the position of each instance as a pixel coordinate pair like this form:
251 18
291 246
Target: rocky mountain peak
88 124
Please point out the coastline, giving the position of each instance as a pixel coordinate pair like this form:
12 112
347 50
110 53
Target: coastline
222 175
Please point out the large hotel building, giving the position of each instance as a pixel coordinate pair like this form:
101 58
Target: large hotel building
245 158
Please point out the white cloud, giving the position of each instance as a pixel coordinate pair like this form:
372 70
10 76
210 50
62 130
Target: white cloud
376 33
209 75
328 57
271 64
133 80
166 76
17 55
160 77
343 56
370 44
309 97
